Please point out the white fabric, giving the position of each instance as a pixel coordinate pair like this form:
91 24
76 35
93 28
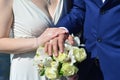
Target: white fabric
30 21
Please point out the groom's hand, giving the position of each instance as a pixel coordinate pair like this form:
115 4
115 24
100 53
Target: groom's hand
56 45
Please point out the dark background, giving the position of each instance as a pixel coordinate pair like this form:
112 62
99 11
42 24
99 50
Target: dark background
4 66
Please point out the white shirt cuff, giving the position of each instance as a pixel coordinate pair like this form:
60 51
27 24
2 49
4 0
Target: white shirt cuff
65 29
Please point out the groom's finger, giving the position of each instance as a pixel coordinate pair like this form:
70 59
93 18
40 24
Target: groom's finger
46 47
50 50
55 46
61 41
71 40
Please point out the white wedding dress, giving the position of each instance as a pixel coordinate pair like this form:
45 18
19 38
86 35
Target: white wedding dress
29 22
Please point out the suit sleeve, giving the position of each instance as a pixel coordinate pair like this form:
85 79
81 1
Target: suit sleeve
74 20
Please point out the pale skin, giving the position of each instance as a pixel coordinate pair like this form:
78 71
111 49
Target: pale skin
57 44
20 45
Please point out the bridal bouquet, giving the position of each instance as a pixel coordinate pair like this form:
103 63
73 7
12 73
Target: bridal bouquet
63 65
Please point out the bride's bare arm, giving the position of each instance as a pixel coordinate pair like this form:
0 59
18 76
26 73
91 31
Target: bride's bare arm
11 45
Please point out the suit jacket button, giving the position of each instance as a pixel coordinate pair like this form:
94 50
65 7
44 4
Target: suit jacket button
102 12
99 39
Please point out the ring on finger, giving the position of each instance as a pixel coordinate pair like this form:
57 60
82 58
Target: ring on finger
50 41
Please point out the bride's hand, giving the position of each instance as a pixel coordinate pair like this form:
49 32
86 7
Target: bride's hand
48 34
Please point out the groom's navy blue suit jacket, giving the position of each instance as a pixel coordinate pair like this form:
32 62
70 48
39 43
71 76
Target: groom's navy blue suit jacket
101 31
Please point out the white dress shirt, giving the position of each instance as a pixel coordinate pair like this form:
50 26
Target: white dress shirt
103 1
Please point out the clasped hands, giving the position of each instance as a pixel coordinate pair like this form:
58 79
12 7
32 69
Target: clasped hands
56 44
54 39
